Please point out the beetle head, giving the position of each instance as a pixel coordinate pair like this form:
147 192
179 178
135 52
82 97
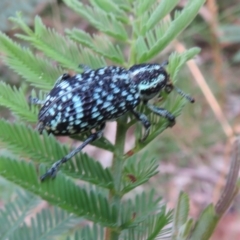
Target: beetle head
150 79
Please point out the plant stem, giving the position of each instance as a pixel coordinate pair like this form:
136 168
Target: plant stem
118 155
117 165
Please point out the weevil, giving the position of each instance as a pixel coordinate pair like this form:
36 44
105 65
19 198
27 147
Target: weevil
88 100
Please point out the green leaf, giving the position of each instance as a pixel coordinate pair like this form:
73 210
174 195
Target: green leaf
89 170
109 6
124 5
162 9
185 230
143 6
99 44
14 213
153 227
57 47
137 172
46 225
39 72
177 60
156 228
91 204
15 100
89 233
27 143
104 22
205 224
163 35
180 214
144 205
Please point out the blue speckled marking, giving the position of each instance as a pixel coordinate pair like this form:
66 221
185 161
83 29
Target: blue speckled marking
84 124
51 111
124 93
94 109
76 99
87 100
79 115
110 97
98 90
99 101
78 110
106 104
96 96
116 90
64 98
95 114
130 97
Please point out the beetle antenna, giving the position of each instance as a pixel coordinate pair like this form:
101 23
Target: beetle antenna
185 95
165 63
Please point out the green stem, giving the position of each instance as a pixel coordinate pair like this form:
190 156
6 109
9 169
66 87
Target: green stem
117 166
118 155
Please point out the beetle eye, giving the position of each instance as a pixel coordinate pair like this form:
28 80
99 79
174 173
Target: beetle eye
65 76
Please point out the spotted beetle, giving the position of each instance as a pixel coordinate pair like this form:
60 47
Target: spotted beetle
88 100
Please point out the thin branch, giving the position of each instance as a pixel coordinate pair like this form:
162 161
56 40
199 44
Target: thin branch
231 188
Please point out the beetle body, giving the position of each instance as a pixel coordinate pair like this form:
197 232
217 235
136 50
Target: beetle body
87 101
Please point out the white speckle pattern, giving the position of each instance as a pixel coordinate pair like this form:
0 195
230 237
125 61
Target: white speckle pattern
78 110
110 97
94 109
124 93
79 115
79 77
64 98
95 114
116 90
84 124
130 98
101 71
85 101
76 99
51 111
99 101
106 104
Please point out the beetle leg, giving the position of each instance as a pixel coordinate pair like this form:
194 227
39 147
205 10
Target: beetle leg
145 122
51 172
35 101
163 113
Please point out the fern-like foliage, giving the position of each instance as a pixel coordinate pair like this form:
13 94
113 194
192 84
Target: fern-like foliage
137 172
17 104
39 72
27 143
44 225
127 32
15 212
59 48
91 233
63 192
